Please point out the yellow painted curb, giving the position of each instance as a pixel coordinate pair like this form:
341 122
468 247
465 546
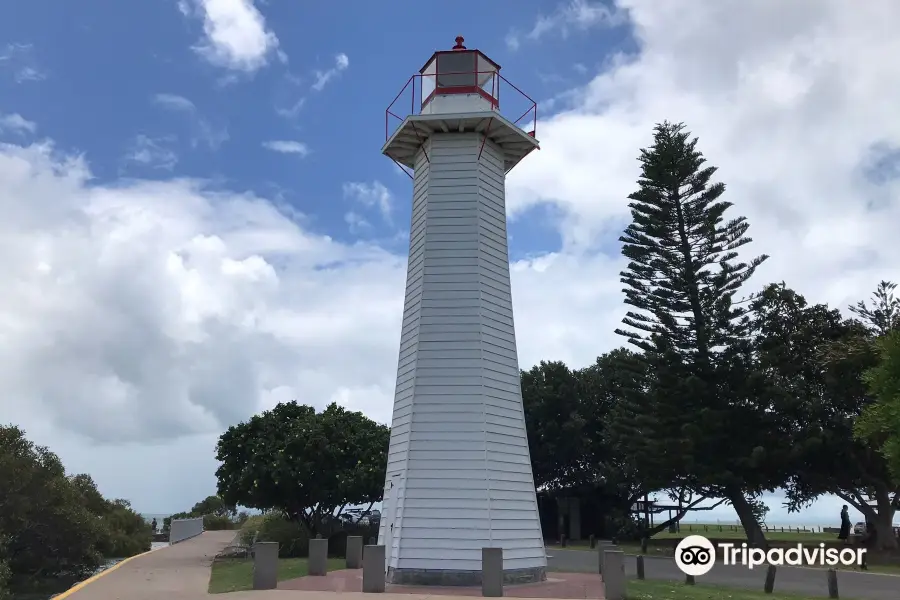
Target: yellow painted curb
78 586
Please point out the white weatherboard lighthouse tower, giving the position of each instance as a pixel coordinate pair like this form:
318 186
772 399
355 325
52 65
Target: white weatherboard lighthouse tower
459 473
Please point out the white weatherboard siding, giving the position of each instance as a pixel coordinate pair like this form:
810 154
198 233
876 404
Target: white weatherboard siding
458 457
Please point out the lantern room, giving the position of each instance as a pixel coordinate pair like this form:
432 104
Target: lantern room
459 81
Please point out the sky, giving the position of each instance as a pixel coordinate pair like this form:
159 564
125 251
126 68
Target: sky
198 222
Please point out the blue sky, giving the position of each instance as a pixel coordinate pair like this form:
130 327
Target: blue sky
200 223
133 75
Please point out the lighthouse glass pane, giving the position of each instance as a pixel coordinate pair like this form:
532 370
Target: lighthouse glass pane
456 69
486 72
428 79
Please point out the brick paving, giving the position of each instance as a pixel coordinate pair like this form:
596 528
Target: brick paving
558 585
181 572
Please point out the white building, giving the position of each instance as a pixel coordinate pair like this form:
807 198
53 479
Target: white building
459 473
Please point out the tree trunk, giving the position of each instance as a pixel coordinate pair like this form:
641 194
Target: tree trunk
883 521
755 535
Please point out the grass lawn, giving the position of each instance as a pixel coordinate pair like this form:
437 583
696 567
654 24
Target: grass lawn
670 590
737 532
888 569
236 574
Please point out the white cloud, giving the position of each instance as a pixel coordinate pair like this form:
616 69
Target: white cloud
371 195
202 131
293 111
356 222
151 152
174 102
169 309
575 14
17 124
236 36
287 147
341 62
19 60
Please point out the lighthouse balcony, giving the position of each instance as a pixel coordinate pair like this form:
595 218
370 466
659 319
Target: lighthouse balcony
460 91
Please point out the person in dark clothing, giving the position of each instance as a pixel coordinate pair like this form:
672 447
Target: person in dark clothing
153 525
845 524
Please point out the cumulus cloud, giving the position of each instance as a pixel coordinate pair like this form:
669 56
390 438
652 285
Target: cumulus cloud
287 147
576 14
790 114
151 152
147 310
158 310
174 102
371 195
341 62
235 34
16 124
202 131
18 59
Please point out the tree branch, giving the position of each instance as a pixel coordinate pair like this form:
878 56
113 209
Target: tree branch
365 512
860 506
680 515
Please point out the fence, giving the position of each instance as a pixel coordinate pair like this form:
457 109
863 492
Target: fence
720 527
183 529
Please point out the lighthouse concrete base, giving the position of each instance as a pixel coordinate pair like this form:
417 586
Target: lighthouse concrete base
453 578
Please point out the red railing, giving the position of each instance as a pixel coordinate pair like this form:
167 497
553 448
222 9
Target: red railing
490 92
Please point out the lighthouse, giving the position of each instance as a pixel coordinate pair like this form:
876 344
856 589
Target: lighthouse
459 475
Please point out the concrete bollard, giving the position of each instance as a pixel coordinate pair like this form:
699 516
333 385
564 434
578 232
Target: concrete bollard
593 541
602 546
769 585
640 567
354 551
318 557
614 574
832 584
373 570
265 565
492 572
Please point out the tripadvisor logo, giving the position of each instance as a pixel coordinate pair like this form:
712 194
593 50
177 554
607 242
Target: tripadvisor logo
695 555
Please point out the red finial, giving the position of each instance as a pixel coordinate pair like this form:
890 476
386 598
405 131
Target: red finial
459 43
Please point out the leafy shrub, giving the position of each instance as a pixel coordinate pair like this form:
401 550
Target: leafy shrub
292 537
250 527
125 532
217 523
4 572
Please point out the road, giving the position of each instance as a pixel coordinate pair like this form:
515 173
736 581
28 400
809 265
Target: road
852 584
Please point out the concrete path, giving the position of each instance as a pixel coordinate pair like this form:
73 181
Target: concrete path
852 584
178 572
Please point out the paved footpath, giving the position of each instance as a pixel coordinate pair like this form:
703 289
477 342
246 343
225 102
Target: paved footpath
177 572
852 584
181 572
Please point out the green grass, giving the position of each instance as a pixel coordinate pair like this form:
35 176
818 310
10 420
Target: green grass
652 550
737 532
671 590
236 574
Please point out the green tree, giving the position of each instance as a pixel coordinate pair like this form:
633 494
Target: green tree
48 529
813 360
696 421
880 421
556 427
575 450
308 465
124 531
213 505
